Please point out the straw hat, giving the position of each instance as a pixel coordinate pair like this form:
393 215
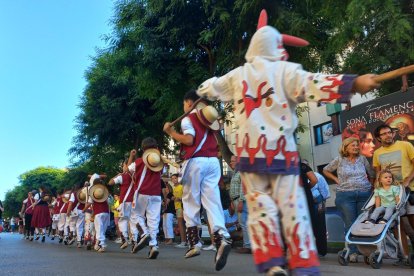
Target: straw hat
99 193
208 117
81 195
152 159
66 196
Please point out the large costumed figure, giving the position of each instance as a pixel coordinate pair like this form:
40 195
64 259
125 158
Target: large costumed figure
265 92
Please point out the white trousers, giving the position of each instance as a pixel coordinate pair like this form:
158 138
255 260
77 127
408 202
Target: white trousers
72 223
148 207
101 223
124 221
80 224
62 223
55 221
89 227
167 225
200 186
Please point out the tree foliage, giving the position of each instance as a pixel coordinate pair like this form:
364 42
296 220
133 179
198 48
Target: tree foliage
159 49
50 178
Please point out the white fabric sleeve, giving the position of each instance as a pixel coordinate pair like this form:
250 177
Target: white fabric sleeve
118 179
187 127
90 200
218 88
131 167
36 197
72 197
25 201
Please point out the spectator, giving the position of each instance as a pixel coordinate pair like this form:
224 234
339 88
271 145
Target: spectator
114 209
398 157
232 223
178 205
239 201
12 224
320 193
168 216
353 185
1 213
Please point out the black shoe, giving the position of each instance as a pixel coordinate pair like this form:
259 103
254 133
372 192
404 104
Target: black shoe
37 238
141 244
65 241
124 244
153 253
88 245
31 238
60 240
53 238
223 250
43 239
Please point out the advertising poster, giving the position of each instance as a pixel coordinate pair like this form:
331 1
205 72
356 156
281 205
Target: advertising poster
396 110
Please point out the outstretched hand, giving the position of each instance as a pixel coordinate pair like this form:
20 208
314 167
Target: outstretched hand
365 83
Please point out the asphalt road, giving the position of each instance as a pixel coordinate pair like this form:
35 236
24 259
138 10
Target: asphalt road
22 257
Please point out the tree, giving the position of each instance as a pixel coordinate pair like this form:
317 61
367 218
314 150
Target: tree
48 177
159 49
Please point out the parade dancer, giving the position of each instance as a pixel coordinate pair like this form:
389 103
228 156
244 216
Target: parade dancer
64 219
98 199
200 178
265 92
146 205
77 217
126 198
41 216
27 211
56 204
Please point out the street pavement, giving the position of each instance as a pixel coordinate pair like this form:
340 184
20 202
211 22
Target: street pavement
22 257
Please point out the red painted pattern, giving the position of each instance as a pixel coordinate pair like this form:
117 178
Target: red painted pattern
295 261
270 248
333 95
251 103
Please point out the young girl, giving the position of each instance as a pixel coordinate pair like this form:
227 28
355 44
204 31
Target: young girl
386 197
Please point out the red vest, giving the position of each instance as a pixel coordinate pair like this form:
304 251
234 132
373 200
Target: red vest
126 181
209 148
58 205
81 205
64 210
151 185
29 207
100 207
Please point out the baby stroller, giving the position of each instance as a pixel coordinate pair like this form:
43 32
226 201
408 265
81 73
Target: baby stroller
376 241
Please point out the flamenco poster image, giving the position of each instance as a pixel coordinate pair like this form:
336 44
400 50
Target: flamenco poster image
396 110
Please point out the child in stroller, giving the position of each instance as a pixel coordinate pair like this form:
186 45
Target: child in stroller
376 240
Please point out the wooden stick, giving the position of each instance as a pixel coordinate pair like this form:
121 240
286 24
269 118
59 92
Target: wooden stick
395 73
188 112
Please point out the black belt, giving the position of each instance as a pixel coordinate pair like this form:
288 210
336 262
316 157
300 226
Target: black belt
237 197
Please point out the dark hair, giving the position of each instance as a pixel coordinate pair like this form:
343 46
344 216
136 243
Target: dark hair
191 95
176 175
378 129
149 143
97 181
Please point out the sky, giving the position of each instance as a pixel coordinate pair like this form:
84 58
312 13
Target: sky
45 48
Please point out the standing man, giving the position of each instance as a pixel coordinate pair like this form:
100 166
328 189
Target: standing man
239 201
200 180
398 157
